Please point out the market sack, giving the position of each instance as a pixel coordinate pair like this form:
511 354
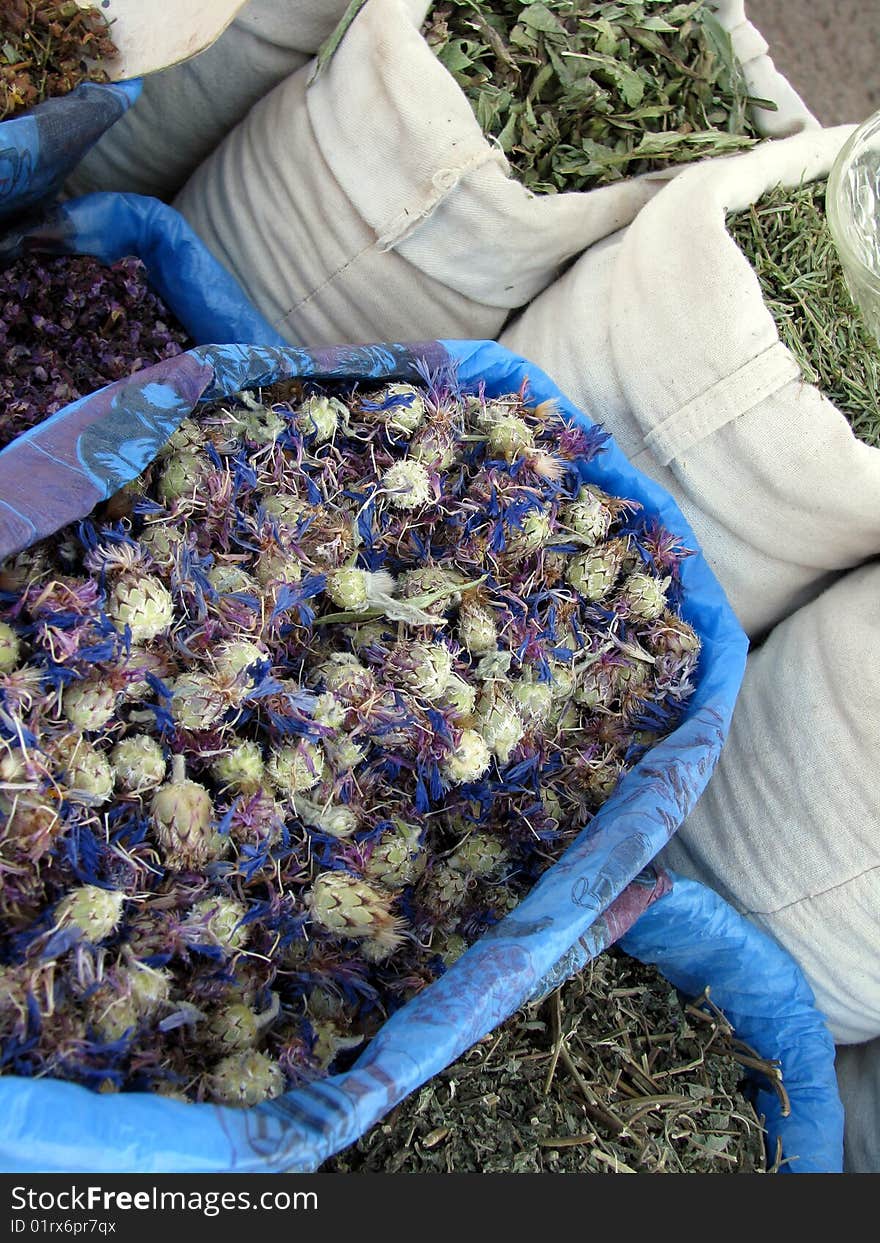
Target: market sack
366 203
592 893
185 110
788 829
858 1078
41 146
663 334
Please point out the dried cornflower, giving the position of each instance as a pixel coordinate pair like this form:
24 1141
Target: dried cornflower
386 719
95 912
245 1078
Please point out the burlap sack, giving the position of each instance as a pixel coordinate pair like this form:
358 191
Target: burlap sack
184 111
788 829
661 334
858 1079
369 205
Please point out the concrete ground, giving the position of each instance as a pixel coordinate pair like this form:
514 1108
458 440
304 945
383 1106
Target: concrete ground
828 49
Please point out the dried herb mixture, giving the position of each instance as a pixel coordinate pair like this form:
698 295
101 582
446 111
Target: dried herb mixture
70 325
340 678
47 49
581 94
610 1074
786 238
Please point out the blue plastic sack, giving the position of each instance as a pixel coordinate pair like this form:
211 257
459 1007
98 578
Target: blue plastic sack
40 148
696 939
84 454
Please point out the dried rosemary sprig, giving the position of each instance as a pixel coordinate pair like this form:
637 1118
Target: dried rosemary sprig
611 1074
581 94
786 238
46 49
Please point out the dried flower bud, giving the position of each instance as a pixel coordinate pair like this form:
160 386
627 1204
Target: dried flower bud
285 509
358 590
296 767
89 704
88 775
477 632
500 724
423 668
644 596
428 581
218 920
344 676
407 484
469 760
187 437
673 635
449 946
183 813
143 604
95 911
320 416
480 854
510 438
398 858
445 889
534 700
594 573
349 907
241 767
9 648
328 711
244 1079
234 1028
590 516
334 819
236 656
163 543
227 577
534 531
183 475
278 565
196 702
406 412
459 695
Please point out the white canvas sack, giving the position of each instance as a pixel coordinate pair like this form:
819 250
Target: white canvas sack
183 112
368 205
788 829
662 335
858 1080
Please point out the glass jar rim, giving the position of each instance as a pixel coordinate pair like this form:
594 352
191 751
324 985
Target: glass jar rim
840 167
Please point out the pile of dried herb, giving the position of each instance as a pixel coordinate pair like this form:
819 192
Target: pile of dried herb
581 94
353 670
786 238
46 49
70 325
610 1074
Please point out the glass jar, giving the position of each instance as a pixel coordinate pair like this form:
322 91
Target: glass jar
852 206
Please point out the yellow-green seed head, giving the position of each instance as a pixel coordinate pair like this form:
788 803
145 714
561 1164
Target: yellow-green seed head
644 596
218 920
500 724
196 702
398 858
469 760
183 815
89 704
9 648
480 854
593 574
88 775
183 475
590 516
459 695
407 484
477 632
95 911
320 416
351 908
510 438
241 767
143 604
138 763
296 767
534 701
245 1079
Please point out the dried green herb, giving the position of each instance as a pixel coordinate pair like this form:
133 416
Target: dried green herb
580 94
611 1074
786 238
47 49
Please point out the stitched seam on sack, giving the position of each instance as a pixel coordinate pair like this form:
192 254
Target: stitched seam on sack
730 398
811 897
327 281
443 182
